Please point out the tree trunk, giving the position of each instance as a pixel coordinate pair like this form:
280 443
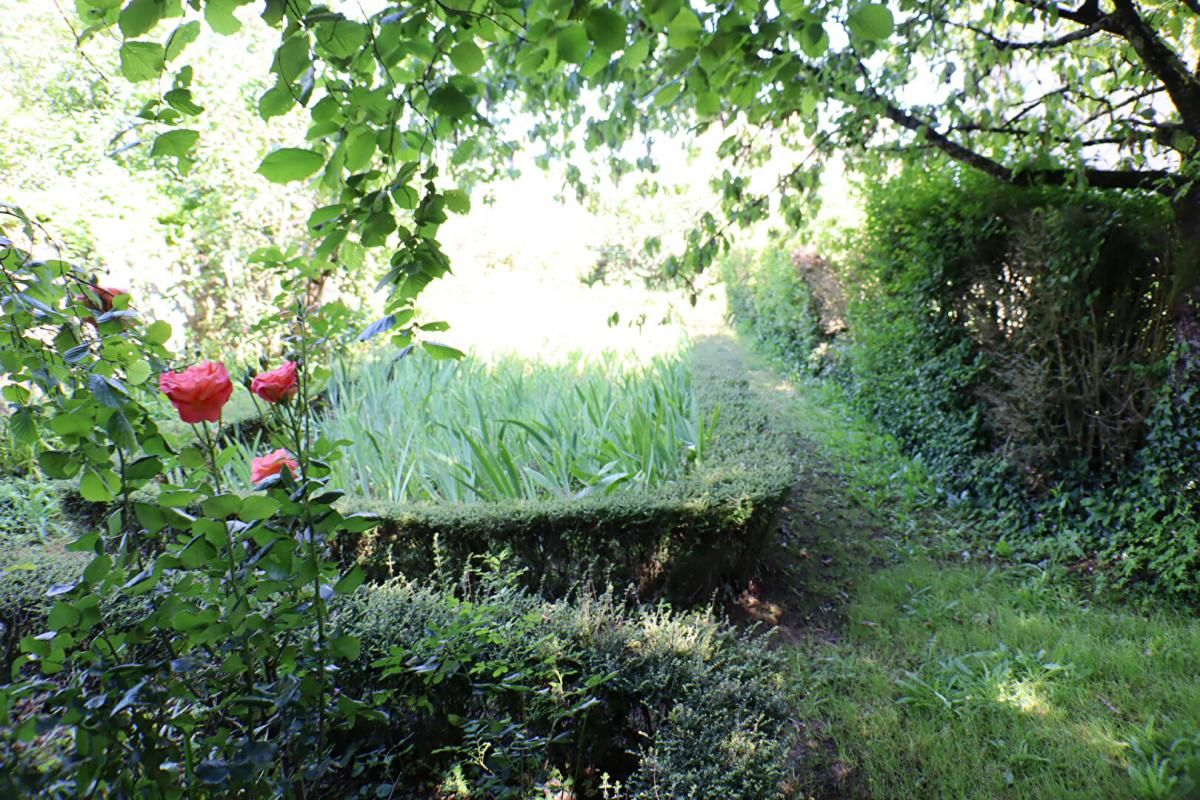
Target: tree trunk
1187 268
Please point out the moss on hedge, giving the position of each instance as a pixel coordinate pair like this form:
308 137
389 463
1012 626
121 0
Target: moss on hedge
681 540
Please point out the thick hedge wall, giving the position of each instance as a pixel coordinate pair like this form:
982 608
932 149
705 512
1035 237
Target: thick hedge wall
681 540
503 688
1018 342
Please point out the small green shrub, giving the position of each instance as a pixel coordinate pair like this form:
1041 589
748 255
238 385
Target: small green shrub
502 694
27 573
29 511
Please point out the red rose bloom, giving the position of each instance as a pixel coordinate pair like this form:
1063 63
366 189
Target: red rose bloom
277 385
199 392
264 467
103 302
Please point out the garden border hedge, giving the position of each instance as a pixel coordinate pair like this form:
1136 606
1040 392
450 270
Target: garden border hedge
682 540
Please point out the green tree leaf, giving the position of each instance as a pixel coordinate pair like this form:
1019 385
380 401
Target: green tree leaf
467 57
450 101
290 164
871 22
684 31
139 16
180 38
219 16
572 44
141 61
606 28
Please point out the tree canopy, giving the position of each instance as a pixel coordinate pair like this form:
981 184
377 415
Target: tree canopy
407 101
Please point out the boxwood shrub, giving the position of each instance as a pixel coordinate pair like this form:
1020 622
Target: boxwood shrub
681 540
504 694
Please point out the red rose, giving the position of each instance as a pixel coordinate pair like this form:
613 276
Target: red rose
199 392
264 467
277 385
103 301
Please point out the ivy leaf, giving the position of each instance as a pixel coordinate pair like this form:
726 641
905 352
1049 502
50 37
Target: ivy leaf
467 57
290 164
871 22
141 61
139 16
606 28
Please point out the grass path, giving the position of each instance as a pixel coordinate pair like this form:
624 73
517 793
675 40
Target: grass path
925 669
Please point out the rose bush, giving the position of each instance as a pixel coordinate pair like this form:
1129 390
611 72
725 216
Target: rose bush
195 655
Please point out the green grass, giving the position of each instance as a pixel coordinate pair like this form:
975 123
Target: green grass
945 673
469 431
978 681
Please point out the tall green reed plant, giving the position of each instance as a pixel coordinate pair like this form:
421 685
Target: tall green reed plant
468 431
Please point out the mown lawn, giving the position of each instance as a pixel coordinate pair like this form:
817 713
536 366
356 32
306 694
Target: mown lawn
925 669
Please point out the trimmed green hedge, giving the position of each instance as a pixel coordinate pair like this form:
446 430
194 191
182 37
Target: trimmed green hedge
499 692
503 689
682 540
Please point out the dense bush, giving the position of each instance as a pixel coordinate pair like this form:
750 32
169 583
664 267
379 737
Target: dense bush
1017 341
771 302
503 694
682 539
26 575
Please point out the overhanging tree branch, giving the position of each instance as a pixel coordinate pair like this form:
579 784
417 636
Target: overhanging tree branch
1149 180
1165 63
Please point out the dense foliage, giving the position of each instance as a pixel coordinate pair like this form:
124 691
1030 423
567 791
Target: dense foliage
514 430
1018 342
